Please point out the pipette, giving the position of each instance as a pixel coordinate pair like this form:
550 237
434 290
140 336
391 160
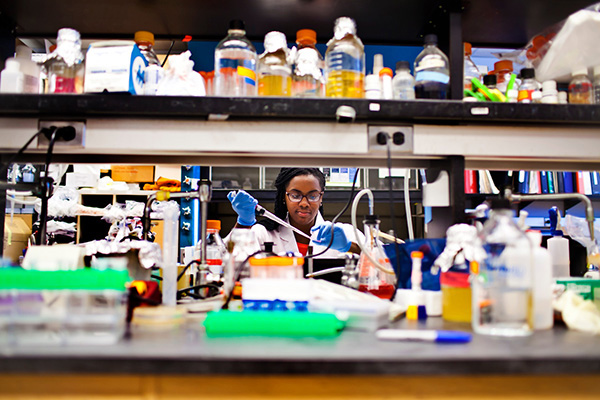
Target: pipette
260 210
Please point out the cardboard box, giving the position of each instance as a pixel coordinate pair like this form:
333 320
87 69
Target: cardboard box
589 289
132 173
114 66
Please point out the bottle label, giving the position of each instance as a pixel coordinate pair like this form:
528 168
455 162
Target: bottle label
338 61
430 63
432 76
62 84
248 75
525 96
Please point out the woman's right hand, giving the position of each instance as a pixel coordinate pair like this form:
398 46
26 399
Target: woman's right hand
245 207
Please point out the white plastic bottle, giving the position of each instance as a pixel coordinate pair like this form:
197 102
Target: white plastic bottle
345 61
596 84
385 76
543 313
31 70
11 77
235 64
558 246
432 71
372 87
403 82
549 92
153 72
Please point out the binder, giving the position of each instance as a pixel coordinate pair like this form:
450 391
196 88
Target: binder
523 182
560 182
544 182
595 176
534 182
580 183
587 182
569 181
552 182
471 181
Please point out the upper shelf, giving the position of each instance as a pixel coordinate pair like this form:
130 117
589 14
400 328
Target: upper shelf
485 22
277 108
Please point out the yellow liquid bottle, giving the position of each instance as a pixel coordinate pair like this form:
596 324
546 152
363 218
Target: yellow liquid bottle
345 62
274 72
274 85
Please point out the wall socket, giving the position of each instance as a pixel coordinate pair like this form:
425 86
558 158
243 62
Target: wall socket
77 143
401 132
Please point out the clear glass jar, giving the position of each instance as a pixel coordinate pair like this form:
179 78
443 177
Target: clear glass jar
235 64
580 87
345 61
307 77
64 67
501 289
274 72
370 278
432 71
403 82
528 86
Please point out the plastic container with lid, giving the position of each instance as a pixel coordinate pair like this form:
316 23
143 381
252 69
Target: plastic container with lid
83 307
345 61
372 87
307 76
456 295
580 87
276 267
502 70
549 92
470 69
403 82
216 255
11 77
153 72
235 64
30 69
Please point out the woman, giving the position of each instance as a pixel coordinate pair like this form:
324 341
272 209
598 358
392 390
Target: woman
299 201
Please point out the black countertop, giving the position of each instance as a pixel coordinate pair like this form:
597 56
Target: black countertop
190 351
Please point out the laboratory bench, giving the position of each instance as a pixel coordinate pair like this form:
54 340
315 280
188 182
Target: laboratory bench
548 363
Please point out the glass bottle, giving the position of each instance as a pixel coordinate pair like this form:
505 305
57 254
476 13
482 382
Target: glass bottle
242 243
470 69
403 82
370 278
528 86
274 71
432 72
307 78
580 87
503 69
596 85
152 73
216 254
235 64
501 289
345 61
64 66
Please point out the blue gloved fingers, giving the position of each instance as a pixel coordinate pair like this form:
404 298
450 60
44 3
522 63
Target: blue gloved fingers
245 207
323 233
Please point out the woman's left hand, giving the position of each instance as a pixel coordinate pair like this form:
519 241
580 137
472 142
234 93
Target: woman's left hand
323 236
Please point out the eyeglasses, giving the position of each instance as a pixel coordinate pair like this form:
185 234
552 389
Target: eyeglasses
312 197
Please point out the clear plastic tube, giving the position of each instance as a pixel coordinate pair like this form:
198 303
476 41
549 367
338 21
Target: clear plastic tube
170 245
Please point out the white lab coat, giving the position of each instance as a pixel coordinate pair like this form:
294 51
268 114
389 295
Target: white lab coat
283 238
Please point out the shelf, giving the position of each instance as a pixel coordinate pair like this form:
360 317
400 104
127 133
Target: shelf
509 23
301 132
331 195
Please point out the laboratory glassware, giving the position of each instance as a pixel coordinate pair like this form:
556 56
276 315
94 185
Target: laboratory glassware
274 71
345 61
432 72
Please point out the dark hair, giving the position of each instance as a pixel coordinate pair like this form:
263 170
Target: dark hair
281 182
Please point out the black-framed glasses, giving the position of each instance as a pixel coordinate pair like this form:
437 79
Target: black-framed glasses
296 197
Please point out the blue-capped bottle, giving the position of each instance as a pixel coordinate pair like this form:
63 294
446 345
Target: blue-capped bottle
235 64
432 72
345 61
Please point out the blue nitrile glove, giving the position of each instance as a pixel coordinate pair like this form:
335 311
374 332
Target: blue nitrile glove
244 205
323 231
